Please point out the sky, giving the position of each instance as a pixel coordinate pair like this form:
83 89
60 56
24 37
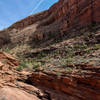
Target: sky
14 10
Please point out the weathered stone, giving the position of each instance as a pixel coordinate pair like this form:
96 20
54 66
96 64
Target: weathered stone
85 88
63 17
9 59
10 93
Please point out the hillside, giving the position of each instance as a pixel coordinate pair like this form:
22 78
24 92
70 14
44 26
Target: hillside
53 55
58 21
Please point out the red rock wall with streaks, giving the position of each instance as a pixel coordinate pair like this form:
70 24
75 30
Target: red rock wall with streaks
65 16
74 12
77 13
70 15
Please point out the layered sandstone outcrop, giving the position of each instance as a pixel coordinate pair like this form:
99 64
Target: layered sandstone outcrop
79 87
16 85
47 85
10 88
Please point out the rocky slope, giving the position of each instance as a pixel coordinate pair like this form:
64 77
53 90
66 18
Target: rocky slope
64 17
14 85
83 83
57 54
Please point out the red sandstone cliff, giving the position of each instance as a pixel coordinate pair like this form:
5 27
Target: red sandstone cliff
63 17
80 12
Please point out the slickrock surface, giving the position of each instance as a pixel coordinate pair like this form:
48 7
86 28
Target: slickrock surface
10 93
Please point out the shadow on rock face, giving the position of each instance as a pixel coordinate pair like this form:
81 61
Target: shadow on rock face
4 38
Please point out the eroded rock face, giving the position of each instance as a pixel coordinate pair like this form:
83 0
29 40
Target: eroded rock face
82 10
7 66
45 85
15 86
4 37
10 88
60 19
86 87
65 16
8 59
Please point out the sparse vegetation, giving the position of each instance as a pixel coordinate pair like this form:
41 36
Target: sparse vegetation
97 46
69 70
58 59
80 46
19 68
41 54
67 61
53 59
29 64
5 49
58 74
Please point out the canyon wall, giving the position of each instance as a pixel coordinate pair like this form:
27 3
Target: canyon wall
72 12
69 16
62 18
79 13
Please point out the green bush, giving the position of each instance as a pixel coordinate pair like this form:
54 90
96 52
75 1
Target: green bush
97 46
58 74
19 68
69 70
67 61
29 64
80 47
37 65
5 49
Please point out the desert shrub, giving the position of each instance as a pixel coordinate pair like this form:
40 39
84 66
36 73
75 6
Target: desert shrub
37 65
5 49
29 64
70 53
97 46
41 54
67 61
19 68
58 74
89 36
69 70
80 46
